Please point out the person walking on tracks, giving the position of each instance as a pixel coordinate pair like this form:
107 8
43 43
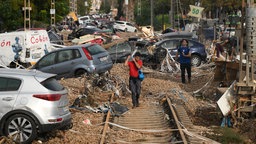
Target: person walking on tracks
134 63
185 61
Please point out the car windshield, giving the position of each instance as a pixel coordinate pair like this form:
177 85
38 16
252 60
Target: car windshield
119 22
120 48
230 29
95 49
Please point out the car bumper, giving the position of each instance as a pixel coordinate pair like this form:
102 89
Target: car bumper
65 124
103 67
203 57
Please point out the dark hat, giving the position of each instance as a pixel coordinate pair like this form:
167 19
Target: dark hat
137 54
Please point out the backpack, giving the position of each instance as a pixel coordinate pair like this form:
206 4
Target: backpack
141 75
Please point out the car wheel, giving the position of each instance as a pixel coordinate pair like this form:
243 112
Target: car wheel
21 128
80 72
135 30
195 60
125 30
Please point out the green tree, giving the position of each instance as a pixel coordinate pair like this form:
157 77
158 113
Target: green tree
227 5
120 9
144 18
41 11
161 7
10 15
81 8
105 7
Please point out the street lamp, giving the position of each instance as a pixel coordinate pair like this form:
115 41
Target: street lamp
86 5
126 4
152 14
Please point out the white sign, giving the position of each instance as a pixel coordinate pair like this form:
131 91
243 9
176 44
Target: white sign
195 11
52 11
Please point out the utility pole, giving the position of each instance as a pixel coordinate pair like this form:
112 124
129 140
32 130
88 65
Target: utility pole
73 6
171 13
152 14
241 41
26 10
126 6
139 8
86 7
52 12
245 88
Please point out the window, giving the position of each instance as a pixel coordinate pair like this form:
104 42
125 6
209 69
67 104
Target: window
126 47
84 18
119 23
168 44
191 43
113 49
47 60
65 55
79 31
76 54
52 84
95 49
129 24
9 84
122 47
230 30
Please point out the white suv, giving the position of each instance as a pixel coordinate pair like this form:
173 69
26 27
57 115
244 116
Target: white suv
229 32
31 102
85 19
124 26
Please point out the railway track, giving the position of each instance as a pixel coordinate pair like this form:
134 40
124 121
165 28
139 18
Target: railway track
153 122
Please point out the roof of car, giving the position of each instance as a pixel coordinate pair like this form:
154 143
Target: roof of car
90 28
74 46
175 38
122 21
177 34
25 72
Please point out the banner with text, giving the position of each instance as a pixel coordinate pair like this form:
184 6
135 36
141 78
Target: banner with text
195 11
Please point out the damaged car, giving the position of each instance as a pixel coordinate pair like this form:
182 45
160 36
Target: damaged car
75 61
32 102
198 52
84 31
120 51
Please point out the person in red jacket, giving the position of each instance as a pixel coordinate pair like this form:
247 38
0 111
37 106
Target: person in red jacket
134 63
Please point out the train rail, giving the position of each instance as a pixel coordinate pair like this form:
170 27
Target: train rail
154 122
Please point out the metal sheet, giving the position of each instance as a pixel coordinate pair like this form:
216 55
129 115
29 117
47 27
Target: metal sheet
224 101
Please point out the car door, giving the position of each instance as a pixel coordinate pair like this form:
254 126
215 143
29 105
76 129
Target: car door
120 51
9 90
47 63
65 62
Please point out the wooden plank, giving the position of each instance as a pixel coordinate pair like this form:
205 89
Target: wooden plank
106 123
